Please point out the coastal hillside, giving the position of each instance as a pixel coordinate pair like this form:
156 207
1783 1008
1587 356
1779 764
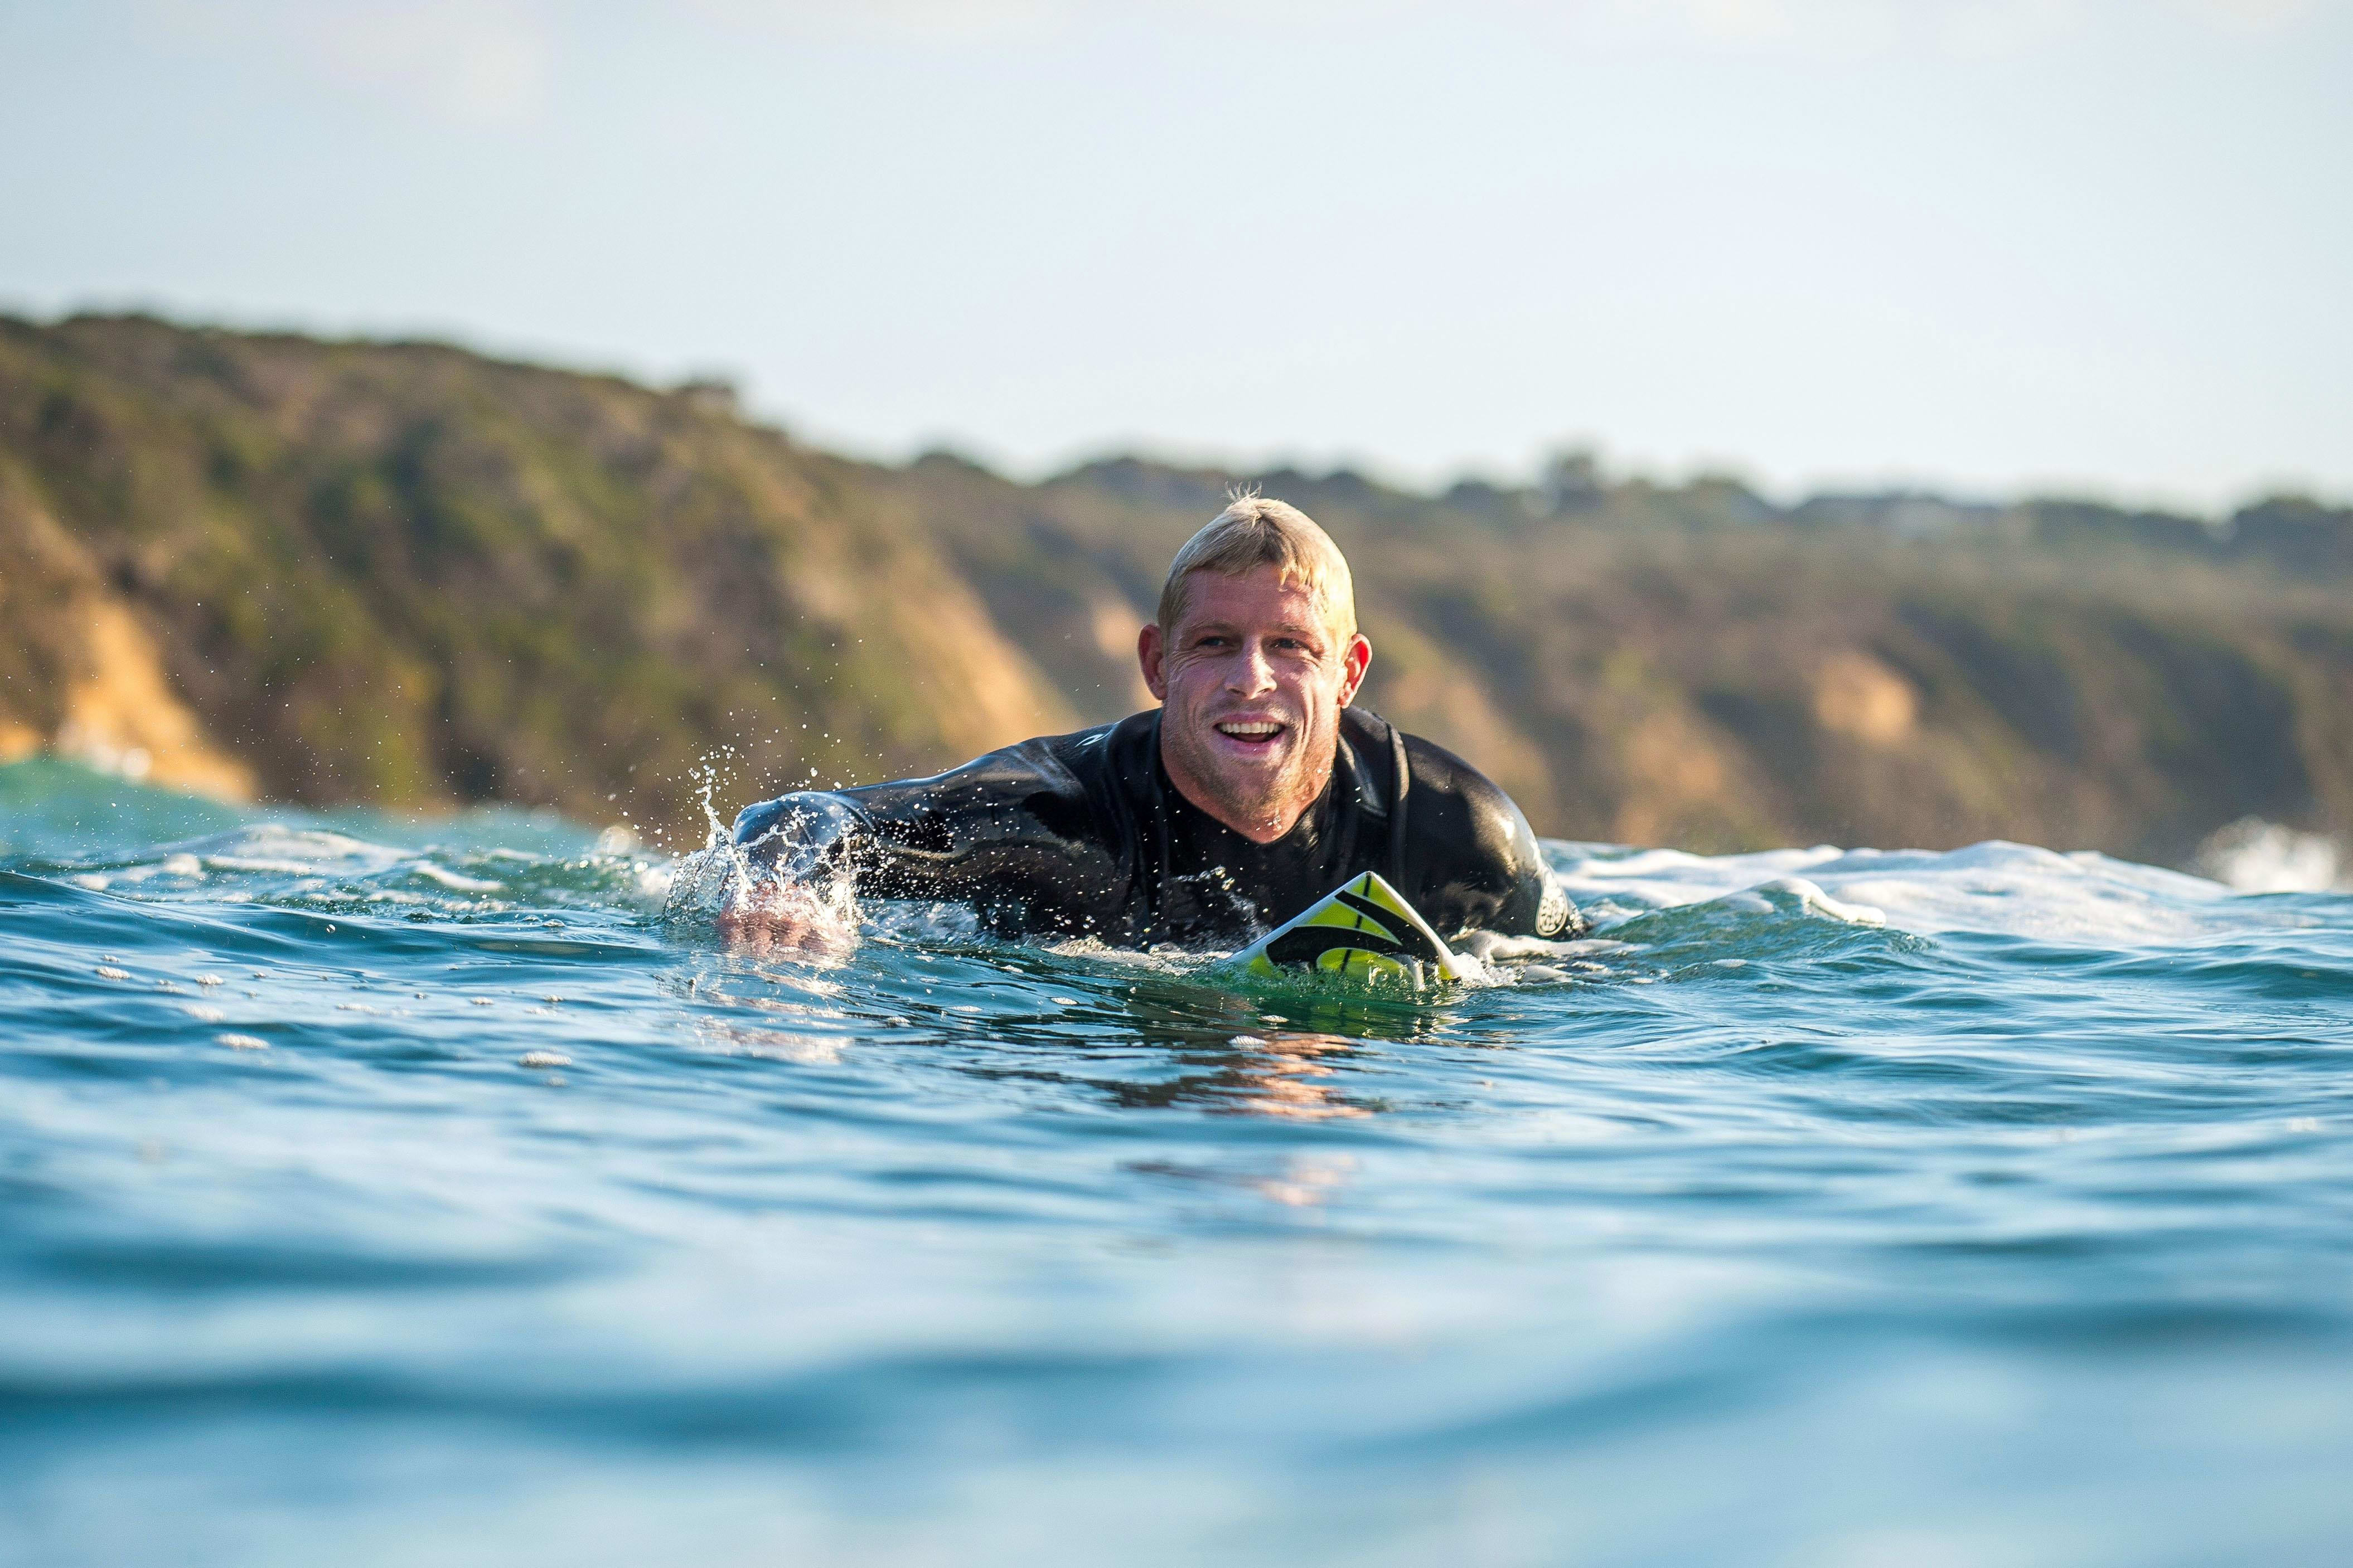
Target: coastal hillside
405 574
1691 666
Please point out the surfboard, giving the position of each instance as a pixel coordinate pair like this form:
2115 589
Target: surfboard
1362 930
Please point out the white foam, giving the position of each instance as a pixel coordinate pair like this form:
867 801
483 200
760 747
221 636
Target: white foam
291 851
1666 878
2252 856
452 880
1161 960
1995 886
1814 900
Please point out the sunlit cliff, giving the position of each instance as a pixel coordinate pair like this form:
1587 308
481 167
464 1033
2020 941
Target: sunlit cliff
406 574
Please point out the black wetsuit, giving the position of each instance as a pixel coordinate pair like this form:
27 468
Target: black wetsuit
1084 835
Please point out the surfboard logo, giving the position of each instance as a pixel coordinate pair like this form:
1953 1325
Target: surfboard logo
1362 930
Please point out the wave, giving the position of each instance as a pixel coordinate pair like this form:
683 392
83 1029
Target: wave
406 1181
1996 887
88 829
94 832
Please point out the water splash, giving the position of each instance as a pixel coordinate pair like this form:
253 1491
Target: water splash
781 893
2251 856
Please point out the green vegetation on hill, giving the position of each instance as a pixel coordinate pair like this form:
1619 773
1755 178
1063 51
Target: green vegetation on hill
404 573
1690 665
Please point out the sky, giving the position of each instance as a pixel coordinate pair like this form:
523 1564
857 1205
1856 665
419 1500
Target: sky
2100 246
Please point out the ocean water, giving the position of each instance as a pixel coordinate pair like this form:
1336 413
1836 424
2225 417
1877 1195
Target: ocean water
382 1192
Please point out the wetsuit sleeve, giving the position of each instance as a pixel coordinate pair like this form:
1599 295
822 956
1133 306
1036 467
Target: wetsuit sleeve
1011 833
803 837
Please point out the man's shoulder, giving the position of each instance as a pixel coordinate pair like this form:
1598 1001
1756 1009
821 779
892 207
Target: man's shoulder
1476 856
1436 768
1081 754
1430 768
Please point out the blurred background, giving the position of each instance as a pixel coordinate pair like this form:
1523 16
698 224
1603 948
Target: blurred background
1753 422
443 439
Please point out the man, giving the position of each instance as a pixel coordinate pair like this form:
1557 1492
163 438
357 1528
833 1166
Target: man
1251 791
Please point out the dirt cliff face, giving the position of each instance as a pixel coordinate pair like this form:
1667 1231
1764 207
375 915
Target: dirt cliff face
408 575
403 573
83 675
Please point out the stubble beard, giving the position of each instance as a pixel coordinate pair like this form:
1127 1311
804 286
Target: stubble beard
1262 800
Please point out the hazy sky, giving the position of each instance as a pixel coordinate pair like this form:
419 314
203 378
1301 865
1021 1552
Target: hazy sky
1987 244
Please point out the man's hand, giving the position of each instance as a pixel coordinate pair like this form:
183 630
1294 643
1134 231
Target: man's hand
772 917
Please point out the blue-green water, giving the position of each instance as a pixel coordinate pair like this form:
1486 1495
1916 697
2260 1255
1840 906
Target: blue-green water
1991 1207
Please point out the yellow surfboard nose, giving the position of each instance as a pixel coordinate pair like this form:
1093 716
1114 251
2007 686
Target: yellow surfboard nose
1362 930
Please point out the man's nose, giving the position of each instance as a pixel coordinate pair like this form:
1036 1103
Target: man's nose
1253 673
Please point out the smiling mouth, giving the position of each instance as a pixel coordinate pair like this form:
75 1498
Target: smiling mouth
1251 732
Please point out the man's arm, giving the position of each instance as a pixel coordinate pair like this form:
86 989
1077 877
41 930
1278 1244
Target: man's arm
1007 833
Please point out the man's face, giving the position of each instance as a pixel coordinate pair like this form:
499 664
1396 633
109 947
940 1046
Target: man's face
1251 682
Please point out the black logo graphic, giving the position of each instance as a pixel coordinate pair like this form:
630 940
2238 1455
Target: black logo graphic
1389 936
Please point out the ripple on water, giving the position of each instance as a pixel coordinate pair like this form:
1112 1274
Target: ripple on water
395 1191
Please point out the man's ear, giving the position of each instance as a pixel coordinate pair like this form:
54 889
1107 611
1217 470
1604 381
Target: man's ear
1355 661
1148 650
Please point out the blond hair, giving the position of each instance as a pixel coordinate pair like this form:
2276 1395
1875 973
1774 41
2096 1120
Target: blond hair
1256 531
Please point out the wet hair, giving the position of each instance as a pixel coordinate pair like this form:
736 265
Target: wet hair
1256 531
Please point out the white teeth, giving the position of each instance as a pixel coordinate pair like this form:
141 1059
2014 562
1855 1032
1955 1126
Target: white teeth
1248 732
